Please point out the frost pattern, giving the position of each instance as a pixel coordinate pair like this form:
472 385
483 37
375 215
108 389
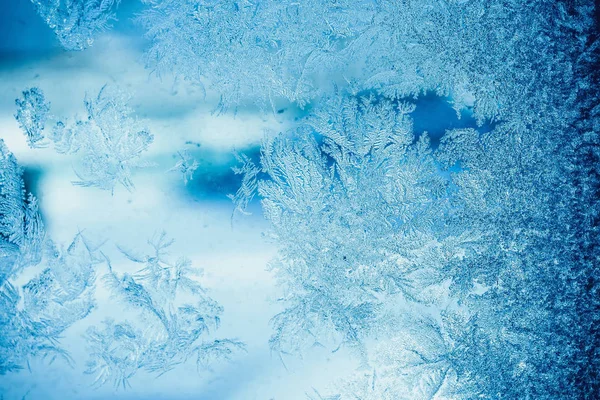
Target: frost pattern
76 22
108 143
32 114
476 238
474 264
257 51
21 228
415 364
485 54
249 185
366 198
33 318
59 296
177 313
511 271
186 165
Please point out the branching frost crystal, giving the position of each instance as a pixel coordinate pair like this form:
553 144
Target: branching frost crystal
356 200
32 114
109 143
178 316
186 165
471 259
32 318
76 22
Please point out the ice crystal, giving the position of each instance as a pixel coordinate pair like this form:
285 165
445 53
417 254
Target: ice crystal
366 213
21 228
32 114
178 316
108 143
415 364
515 324
259 51
367 202
186 165
76 22
33 318
51 302
487 55
471 261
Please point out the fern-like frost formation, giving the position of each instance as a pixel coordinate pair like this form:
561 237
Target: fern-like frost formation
461 264
178 316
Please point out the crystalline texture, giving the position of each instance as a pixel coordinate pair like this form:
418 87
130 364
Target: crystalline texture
186 165
21 228
179 316
108 144
355 200
259 51
76 22
32 114
53 300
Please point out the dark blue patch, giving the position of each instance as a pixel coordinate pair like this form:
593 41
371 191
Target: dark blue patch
32 176
214 179
435 115
22 30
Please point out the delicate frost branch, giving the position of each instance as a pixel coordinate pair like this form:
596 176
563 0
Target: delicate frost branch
109 142
175 329
32 114
186 165
77 22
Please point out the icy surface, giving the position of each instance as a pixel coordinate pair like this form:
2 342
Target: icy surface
332 199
